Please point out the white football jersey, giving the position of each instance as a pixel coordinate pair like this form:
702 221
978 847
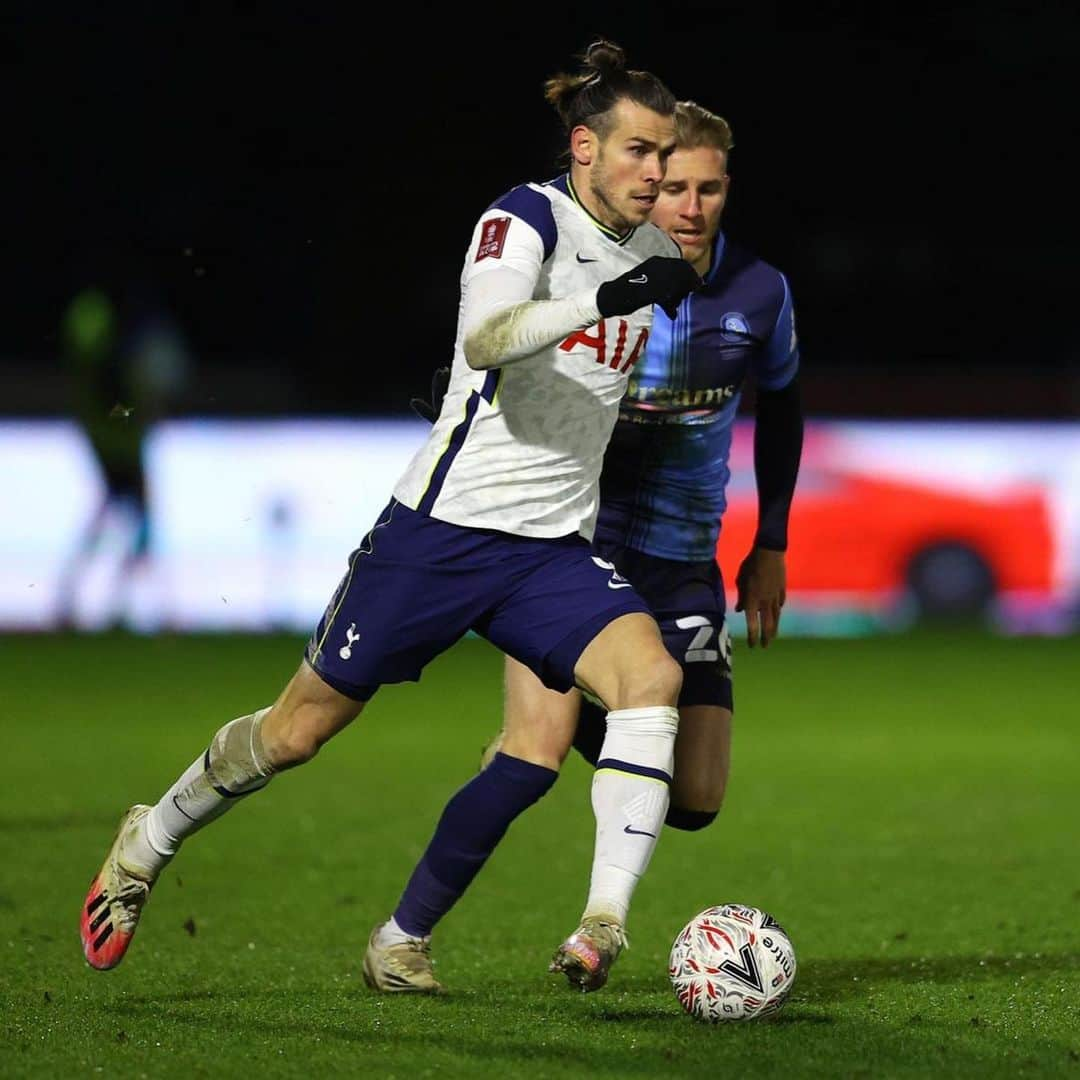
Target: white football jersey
519 448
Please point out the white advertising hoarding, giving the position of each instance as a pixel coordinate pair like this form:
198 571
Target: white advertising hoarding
251 522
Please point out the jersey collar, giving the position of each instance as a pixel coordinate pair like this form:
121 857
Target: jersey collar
566 186
717 256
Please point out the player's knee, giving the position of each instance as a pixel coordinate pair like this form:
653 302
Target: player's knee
654 682
537 735
697 789
237 759
293 746
548 752
291 741
689 820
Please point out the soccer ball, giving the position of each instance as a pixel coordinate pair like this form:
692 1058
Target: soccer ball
732 962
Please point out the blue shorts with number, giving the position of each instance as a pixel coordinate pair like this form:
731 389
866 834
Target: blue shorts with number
687 600
415 585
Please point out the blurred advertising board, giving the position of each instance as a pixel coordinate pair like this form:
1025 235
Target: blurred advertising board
250 523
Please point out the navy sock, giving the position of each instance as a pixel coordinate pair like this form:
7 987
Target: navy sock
689 820
471 826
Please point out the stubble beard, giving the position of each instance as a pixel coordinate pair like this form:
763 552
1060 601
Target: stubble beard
616 219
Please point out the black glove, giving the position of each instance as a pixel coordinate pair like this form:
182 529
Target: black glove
429 410
660 279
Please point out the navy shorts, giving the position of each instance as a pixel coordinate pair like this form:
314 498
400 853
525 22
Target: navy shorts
687 600
415 585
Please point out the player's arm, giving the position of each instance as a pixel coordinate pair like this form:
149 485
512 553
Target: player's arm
761 582
503 322
503 325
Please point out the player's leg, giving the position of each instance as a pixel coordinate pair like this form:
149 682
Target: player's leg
74 569
372 631
538 726
696 634
702 759
537 736
628 668
138 589
590 731
702 764
559 601
242 758
538 723
578 622
688 599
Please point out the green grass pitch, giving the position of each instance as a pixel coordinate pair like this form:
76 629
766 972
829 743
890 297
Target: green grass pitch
906 806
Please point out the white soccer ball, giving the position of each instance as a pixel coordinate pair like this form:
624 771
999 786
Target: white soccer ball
732 962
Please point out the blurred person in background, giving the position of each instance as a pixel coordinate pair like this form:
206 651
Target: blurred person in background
128 362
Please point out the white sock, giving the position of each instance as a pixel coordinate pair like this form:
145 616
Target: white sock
392 934
630 796
235 765
166 824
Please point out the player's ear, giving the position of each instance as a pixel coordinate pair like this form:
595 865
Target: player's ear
583 144
727 188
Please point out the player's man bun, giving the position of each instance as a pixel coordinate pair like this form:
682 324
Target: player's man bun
604 57
588 96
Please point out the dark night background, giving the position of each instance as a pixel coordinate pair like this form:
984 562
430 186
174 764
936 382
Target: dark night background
298 189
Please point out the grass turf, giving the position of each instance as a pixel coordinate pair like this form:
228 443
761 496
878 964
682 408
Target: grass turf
905 806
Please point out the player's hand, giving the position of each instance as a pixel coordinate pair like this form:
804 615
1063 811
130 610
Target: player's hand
660 279
761 584
429 410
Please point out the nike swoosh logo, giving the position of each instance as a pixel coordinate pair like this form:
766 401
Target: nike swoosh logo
581 260
618 584
639 832
643 280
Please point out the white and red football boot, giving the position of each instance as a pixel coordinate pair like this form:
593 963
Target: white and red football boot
111 910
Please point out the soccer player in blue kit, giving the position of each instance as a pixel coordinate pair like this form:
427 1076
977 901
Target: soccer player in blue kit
488 529
662 498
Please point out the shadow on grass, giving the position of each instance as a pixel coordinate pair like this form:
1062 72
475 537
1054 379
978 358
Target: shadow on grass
632 1016
463 1032
485 1025
833 979
498 1025
788 1016
459 1032
58 822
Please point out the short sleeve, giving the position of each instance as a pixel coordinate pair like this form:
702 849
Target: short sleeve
516 231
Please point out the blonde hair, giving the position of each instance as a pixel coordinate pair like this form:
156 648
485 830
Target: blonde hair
695 126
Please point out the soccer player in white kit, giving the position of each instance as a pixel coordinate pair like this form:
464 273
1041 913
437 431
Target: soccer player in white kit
489 530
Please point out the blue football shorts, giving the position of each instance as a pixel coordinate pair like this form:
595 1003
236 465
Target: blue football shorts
416 584
687 599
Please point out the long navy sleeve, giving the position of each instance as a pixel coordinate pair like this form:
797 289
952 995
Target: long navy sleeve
778 438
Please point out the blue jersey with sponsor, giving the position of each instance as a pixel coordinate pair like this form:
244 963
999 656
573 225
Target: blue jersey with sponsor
665 473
